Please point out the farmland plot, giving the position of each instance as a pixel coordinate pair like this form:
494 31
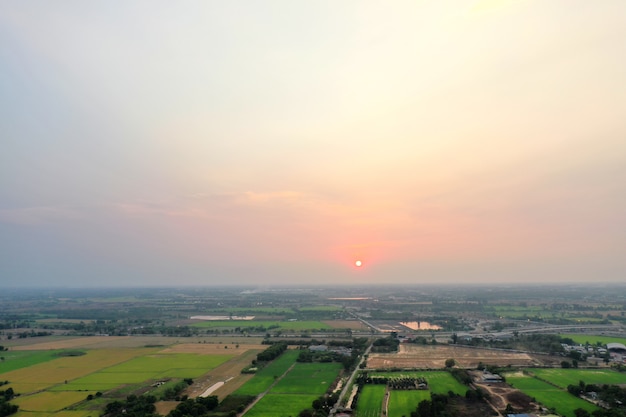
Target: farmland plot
146 368
265 377
565 377
308 378
58 371
281 405
370 401
562 401
439 382
403 403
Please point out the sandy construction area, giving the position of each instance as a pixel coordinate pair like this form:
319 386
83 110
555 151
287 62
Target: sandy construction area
420 356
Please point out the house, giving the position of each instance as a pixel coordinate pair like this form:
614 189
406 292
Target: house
318 348
491 378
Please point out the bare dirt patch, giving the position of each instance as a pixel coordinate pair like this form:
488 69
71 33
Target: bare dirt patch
164 407
501 394
229 373
434 356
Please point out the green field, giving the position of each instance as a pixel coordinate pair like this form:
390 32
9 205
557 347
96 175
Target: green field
370 401
49 401
276 325
53 383
321 308
273 311
17 359
439 382
584 338
403 403
296 391
563 402
308 378
265 377
45 375
146 368
281 405
565 377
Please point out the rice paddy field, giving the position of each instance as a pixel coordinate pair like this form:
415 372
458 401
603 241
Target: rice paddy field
593 339
403 403
15 359
301 384
308 378
281 405
552 397
565 377
56 382
370 401
439 382
265 377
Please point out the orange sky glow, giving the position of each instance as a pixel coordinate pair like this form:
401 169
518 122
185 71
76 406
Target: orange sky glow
212 143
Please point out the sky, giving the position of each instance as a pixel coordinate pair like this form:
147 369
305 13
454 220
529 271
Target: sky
156 143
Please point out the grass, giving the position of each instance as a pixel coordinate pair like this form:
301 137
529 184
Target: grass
49 401
146 368
563 402
296 391
281 405
279 325
52 384
264 378
565 377
321 308
55 372
308 378
64 413
439 382
403 403
17 359
370 401
584 338
251 310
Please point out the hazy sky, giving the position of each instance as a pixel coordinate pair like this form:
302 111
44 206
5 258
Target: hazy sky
269 142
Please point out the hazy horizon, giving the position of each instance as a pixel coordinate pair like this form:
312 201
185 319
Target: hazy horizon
277 143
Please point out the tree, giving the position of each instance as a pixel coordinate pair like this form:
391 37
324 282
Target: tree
450 363
579 412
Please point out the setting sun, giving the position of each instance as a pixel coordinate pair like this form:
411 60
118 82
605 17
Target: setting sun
358 263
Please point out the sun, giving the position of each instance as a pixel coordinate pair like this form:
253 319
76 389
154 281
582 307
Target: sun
358 263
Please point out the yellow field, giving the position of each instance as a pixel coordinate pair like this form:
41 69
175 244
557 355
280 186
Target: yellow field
79 342
64 413
212 349
47 374
49 401
47 389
